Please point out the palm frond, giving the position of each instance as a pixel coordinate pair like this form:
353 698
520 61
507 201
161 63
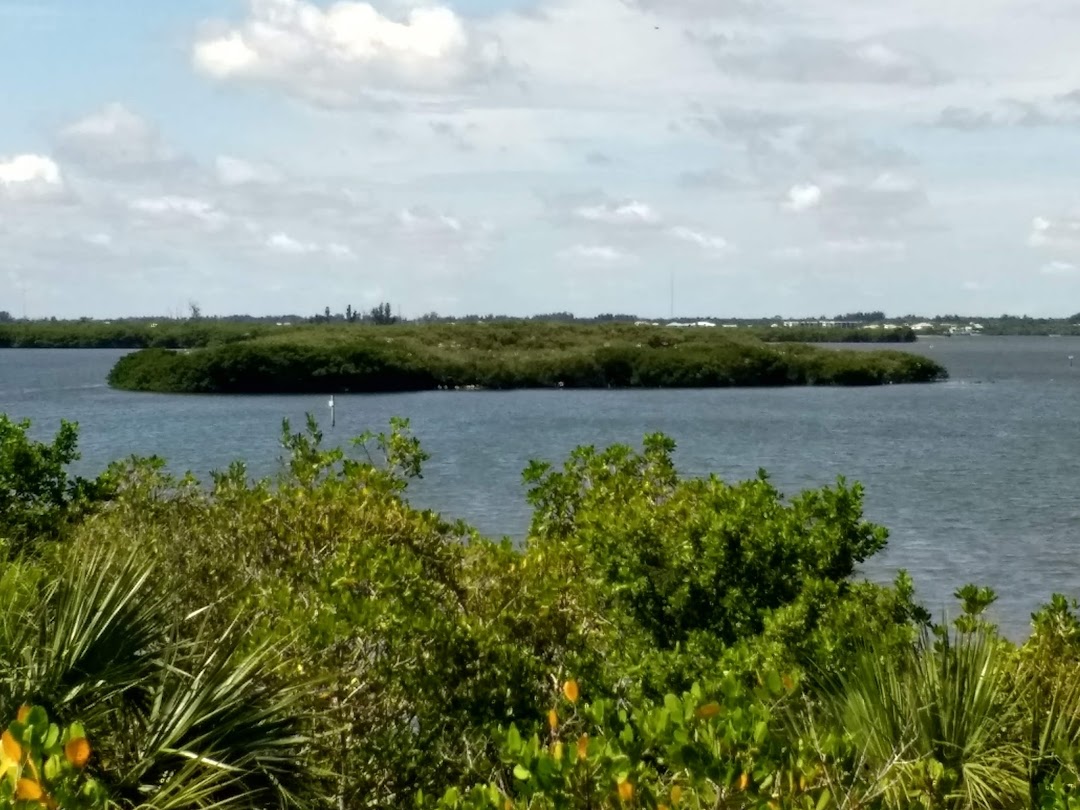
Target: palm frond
216 708
82 633
940 719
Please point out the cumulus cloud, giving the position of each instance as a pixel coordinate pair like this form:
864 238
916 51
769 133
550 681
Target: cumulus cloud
802 197
1063 232
348 51
31 177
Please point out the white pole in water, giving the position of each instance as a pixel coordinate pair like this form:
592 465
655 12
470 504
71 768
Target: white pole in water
333 416
1070 360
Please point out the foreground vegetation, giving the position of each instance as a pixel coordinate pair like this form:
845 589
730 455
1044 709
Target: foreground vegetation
657 642
500 356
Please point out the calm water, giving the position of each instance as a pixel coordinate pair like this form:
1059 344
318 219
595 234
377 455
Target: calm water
975 478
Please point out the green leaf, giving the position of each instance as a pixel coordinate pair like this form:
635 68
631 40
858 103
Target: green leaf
513 740
52 768
522 773
774 683
761 732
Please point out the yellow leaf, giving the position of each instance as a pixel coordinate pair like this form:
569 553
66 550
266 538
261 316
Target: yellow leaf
570 689
23 713
553 719
583 746
744 781
626 790
11 748
707 711
28 790
676 794
558 752
77 751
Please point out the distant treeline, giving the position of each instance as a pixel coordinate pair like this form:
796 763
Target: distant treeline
194 334
505 356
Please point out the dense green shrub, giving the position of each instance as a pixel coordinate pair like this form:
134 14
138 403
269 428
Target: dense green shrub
657 641
503 356
39 498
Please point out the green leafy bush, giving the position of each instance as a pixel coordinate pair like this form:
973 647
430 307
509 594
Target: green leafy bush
657 641
39 499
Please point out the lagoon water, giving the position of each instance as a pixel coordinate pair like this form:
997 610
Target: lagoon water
976 479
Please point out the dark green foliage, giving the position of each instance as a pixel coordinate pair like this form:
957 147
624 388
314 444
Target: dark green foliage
124 335
503 356
811 334
38 497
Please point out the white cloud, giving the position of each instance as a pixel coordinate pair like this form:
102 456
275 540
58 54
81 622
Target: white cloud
286 244
629 213
712 244
31 177
173 208
282 242
1064 232
347 51
595 255
803 197
30 169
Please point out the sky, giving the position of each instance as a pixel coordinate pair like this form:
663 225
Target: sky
759 157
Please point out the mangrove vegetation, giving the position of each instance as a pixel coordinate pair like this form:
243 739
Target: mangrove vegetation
199 332
657 641
505 356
